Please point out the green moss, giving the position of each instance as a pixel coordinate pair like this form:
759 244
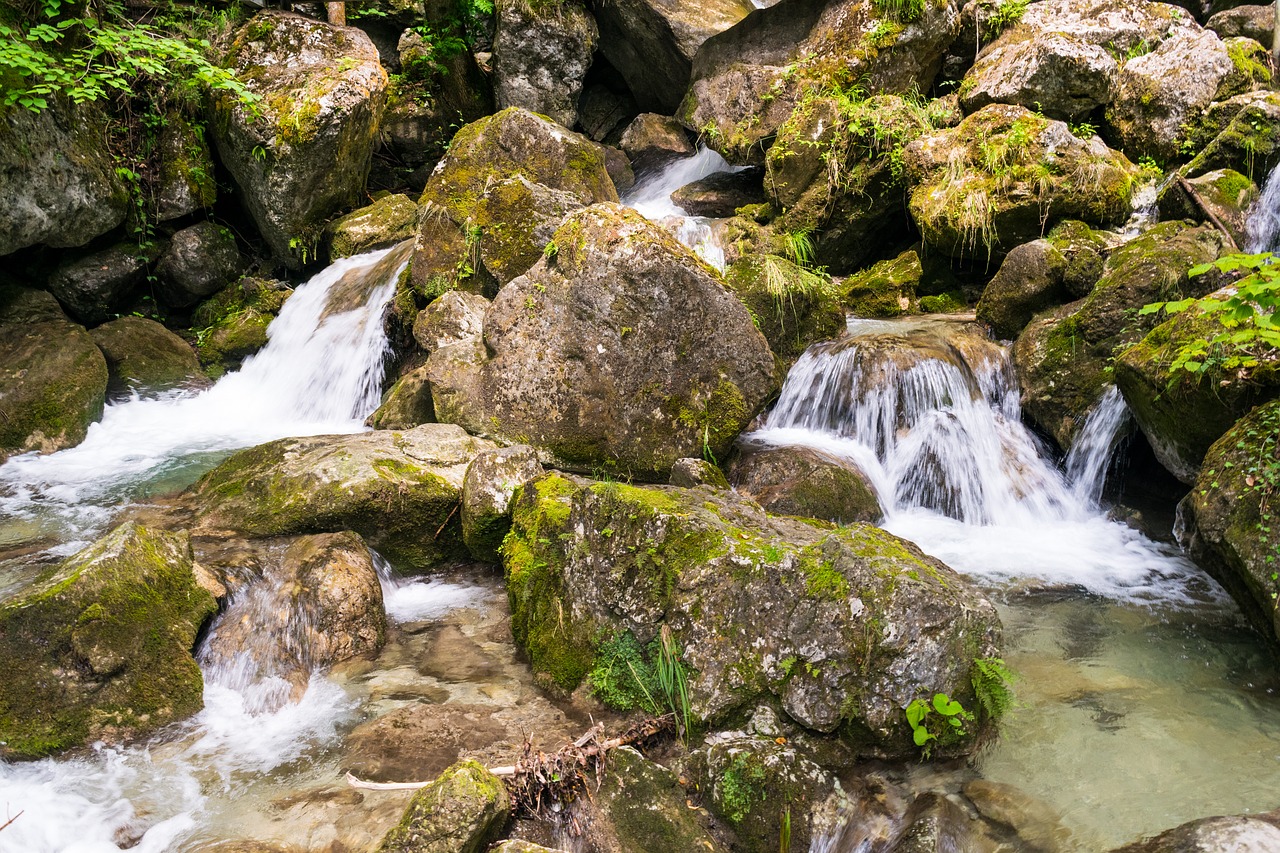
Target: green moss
951 302
741 787
822 579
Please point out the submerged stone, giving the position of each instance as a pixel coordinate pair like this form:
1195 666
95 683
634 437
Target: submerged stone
145 358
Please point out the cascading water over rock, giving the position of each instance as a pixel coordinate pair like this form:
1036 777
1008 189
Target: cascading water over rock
651 198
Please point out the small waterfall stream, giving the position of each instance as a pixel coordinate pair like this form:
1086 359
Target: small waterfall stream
651 198
1263 225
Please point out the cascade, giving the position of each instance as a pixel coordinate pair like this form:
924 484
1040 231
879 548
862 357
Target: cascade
1090 454
1263 225
651 198
320 373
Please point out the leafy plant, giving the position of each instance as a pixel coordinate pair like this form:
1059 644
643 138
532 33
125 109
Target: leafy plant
741 787
1249 318
901 10
993 685
939 721
655 679
798 245
1005 15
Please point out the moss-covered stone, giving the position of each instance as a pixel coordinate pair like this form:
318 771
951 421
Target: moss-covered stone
887 289
232 325
145 358
872 621
1030 279
406 404
1224 194
806 482
100 647
491 481
460 812
1084 251
792 307
186 182
399 490
647 807
1240 133
389 220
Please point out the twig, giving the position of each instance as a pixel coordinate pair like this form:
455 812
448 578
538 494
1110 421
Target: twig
11 820
446 520
1186 187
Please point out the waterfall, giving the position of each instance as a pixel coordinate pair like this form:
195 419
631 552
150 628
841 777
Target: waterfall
1264 220
929 411
651 198
320 373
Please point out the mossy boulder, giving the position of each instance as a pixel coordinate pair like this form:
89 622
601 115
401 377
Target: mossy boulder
186 183
1063 76
1062 356
53 378
200 261
806 482
839 627
1230 515
541 53
1241 133
518 220
1004 175
1030 279
145 358
621 351
460 812
407 403
1085 252
792 306
100 647
491 480
1183 415
303 152
1224 194
232 325
389 220
646 807
399 490
886 289
93 288
454 317
57 178
1160 92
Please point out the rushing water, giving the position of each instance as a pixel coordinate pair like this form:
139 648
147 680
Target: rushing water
1144 700
320 373
651 198
1264 220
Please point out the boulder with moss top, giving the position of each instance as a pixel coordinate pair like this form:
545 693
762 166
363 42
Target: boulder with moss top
620 351
806 482
1004 175
886 289
99 647
1181 414
1084 250
53 378
303 151
462 811
145 358
1240 133
838 627
491 480
389 220
400 490
1223 195
1030 279
1062 356
232 325
792 307
541 53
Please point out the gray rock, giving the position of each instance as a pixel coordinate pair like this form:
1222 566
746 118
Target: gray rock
619 350
1063 77
1238 834
307 154
1240 133
186 182
58 180
145 358
407 403
389 220
518 220
200 261
1224 194
720 195
1255 22
541 52
652 140
688 473
451 319
491 480
806 482
1030 279
460 812
93 287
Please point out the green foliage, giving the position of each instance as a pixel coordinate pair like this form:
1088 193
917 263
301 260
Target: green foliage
741 787
993 685
1083 130
1249 318
1005 15
98 56
941 721
438 47
1261 476
901 10
799 248
655 680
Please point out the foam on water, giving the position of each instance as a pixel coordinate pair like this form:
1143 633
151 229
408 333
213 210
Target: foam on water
651 198
1263 225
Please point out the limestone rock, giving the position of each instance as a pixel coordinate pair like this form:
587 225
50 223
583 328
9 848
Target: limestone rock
652 140
307 155
518 220
58 180
806 482
840 628
93 287
791 306
620 350
1030 279
232 325
718 196
1063 77
145 358
491 480
389 220
1241 133
688 473
1254 22
407 403
452 318
886 289
541 53
1222 193
200 261
1243 833
100 646
460 812
186 182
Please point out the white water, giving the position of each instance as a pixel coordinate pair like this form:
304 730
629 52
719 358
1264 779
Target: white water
320 373
651 198
933 418
1264 221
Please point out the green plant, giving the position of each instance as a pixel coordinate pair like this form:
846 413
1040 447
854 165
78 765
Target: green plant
1261 477
939 721
1005 15
901 10
1083 130
305 250
798 245
550 250
993 685
654 679
784 831
741 787
1249 318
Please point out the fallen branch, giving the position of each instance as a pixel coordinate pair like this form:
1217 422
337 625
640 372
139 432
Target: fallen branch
5 825
1187 188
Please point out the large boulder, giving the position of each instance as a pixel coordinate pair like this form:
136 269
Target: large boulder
792 307
99 648
53 379
1223 195
1254 22
838 627
460 812
541 53
1230 515
303 151
652 43
1241 833
652 140
145 358
1241 133
1030 279
1183 415
389 220
1062 357
885 289
200 261
232 325
748 80
399 490
806 482
93 288
620 350
58 180
1004 174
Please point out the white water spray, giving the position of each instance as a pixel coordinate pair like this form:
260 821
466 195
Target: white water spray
651 198
1264 221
